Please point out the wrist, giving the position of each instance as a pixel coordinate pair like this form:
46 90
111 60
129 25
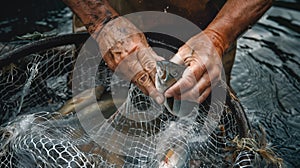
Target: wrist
92 13
120 33
119 39
219 41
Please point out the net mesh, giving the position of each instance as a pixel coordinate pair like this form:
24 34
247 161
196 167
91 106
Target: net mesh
38 131
39 80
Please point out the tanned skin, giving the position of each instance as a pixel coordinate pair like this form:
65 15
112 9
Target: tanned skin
204 66
202 53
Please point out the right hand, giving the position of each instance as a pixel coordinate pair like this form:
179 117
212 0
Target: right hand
126 51
202 54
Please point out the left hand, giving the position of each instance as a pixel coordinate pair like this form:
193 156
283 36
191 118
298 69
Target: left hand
202 55
126 51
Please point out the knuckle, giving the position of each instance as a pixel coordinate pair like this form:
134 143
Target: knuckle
143 79
195 91
207 82
188 84
215 76
204 95
149 66
198 90
201 98
201 66
198 69
190 75
193 94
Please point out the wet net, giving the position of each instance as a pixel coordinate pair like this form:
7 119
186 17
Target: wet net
44 125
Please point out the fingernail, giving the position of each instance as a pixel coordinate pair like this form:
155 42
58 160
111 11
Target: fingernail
159 99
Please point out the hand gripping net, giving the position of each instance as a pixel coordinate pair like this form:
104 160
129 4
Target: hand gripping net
37 133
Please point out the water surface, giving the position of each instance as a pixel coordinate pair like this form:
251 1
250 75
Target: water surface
266 77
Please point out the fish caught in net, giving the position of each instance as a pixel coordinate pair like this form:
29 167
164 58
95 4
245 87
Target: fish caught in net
44 125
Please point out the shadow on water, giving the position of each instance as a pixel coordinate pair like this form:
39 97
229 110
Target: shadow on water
266 77
266 74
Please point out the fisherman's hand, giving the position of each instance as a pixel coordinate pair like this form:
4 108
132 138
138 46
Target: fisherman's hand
202 55
126 51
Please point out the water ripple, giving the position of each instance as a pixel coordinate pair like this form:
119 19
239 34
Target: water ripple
266 77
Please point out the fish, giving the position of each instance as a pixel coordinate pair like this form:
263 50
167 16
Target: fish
167 74
175 148
82 100
176 156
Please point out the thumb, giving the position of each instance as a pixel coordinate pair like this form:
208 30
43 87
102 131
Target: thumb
177 59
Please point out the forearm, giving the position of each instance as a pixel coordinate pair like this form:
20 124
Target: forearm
92 13
95 14
235 18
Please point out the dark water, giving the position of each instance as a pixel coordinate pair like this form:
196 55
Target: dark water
19 17
266 74
266 77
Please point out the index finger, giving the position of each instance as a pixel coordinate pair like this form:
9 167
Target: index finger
189 79
183 84
133 70
144 82
147 58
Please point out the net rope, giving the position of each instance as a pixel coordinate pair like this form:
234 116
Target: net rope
141 133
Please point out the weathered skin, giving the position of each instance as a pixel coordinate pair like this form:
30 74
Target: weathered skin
123 46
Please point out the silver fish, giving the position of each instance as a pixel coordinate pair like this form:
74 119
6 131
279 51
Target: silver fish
167 74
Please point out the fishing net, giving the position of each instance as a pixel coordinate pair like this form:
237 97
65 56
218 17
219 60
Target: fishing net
41 126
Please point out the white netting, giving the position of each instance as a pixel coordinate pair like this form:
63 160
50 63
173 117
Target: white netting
140 133
39 80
